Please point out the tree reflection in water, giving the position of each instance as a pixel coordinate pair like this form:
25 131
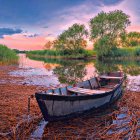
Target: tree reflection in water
131 67
71 72
128 67
104 67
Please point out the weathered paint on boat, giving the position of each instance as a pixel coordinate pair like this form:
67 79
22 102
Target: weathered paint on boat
56 107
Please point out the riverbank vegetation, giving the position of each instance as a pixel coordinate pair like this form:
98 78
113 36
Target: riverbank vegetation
7 56
107 33
131 39
130 52
70 44
61 54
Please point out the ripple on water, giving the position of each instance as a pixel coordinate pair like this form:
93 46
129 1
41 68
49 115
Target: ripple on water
37 76
38 133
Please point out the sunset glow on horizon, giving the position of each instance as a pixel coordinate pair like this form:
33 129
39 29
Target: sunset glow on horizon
29 25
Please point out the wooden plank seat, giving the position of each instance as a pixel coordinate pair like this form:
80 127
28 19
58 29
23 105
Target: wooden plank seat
109 77
110 86
86 91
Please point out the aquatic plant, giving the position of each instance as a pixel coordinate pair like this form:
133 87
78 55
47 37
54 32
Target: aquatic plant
7 56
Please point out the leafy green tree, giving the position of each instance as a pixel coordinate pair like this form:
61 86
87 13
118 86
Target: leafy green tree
107 28
133 35
130 39
104 47
72 40
133 39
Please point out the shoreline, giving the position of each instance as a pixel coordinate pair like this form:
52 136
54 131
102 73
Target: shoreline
84 58
61 57
13 111
14 100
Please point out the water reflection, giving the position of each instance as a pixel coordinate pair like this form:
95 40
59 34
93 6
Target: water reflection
73 66
104 67
128 67
131 67
40 71
70 72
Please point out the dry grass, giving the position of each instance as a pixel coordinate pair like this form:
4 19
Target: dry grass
13 106
101 128
14 117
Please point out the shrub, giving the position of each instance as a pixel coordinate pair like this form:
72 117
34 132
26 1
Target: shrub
137 51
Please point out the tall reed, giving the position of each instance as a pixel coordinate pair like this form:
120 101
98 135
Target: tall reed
7 56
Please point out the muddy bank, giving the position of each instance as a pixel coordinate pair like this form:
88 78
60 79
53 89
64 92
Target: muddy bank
121 122
13 100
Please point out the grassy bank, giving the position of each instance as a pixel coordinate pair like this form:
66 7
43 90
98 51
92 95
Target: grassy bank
127 52
7 56
59 54
119 53
123 53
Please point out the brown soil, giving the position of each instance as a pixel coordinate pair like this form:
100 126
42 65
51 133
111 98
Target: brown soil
94 127
13 111
14 101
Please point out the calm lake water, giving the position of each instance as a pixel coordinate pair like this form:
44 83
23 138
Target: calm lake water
54 72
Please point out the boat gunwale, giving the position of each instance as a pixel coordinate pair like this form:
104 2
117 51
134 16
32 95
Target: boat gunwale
44 96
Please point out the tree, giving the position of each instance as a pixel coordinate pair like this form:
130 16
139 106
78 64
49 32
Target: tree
130 40
104 47
72 40
108 26
48 45
133 39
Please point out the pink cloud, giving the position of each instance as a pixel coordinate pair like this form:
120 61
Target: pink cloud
21 42
133 28
65 18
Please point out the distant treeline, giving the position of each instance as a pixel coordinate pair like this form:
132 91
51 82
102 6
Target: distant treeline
61 54
19 51
127 52
108 33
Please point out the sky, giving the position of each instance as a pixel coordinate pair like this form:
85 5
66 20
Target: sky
29 24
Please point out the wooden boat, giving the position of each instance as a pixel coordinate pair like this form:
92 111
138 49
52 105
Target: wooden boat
95 93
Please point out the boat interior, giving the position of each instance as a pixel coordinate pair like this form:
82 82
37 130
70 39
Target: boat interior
97 85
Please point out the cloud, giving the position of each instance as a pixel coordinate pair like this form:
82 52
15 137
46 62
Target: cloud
76 14
45 27
80 14
22 42
134 28
9 31
89 9
49 34
31 35
111 2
